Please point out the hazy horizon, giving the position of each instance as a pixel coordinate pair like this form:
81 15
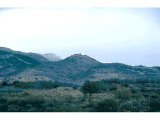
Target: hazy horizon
129 36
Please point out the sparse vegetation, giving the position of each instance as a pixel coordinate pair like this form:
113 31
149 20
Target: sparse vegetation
49 97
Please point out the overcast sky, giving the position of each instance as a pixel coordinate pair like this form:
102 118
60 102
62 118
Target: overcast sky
130 36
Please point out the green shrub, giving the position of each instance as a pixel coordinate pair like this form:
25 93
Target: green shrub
108 105
4 83
123 93
134 89
36 85
3 105
112 87
26 105
154 104
130 106
90 87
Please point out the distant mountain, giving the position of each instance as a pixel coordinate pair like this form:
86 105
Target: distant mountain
51 57
75 69
35 56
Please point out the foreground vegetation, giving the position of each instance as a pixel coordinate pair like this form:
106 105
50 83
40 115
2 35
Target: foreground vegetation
101 96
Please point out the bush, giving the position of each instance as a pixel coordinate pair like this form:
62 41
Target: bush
108 105
4 83
3 105
112 87
90 87
138 104
36 85
154 104
130 106
26 105
134 89
123 93
3 108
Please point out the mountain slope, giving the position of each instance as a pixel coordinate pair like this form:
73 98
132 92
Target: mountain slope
119 71
78 68
12 63
31 55
75 69
63 70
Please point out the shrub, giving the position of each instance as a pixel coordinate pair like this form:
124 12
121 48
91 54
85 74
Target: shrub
3 108
4 83
26 105
2 100
112 87
134 105
36 85
90 88
123 93
134 89
154 104
108 105
130 106
3 105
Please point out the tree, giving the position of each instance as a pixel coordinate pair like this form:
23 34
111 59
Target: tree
4 83
90 88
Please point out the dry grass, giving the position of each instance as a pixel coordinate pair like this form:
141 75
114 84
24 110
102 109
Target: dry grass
63 94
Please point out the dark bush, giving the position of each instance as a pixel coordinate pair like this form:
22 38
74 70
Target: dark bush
154 104
3 107
36 85
113 87
90 87
4 83
108 105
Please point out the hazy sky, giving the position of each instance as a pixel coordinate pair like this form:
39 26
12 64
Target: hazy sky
130 36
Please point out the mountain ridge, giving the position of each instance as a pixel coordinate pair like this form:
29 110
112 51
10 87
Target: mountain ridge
75 69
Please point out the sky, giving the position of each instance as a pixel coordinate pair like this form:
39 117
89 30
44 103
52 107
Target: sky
123 35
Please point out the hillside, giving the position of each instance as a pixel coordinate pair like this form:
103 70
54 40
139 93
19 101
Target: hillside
75 69
119 71
12 63
62 71
35 56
